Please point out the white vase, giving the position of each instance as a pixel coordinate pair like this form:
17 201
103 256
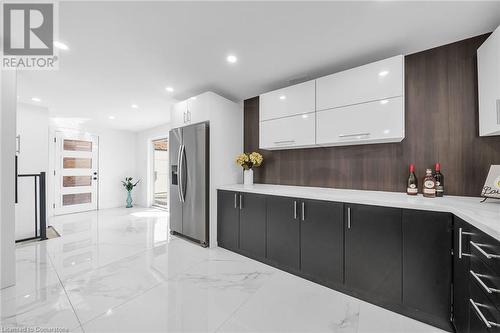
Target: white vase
248 177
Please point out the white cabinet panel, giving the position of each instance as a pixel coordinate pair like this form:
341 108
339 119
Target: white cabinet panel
289 101
198 109
375 81
374 122
289 132
488 63
178 114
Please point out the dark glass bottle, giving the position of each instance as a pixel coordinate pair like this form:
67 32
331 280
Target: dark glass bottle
439 180
412 188
429 189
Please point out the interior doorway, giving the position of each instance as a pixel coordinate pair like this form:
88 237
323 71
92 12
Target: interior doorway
160 173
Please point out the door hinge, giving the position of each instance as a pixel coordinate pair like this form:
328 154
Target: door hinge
54 172
54 205
54 139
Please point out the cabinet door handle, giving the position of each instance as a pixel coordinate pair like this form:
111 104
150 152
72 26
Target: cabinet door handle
478 277
498 111
351 135
460 236
348 217
486 322
236 200
294 209
303 211
241 201
284 142
483 252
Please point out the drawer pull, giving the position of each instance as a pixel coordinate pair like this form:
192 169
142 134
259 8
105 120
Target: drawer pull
483 252
478 277
487 323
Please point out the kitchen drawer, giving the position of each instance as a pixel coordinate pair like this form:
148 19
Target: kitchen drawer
376 81
375 122
290 132
484 316
289 101
487 249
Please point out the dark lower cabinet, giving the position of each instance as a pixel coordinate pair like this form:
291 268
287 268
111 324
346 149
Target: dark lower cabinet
321 241
228 226
373 249
397 258
283 232
461 267
252 212
427 266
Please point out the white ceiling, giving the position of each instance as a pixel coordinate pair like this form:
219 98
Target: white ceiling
124 53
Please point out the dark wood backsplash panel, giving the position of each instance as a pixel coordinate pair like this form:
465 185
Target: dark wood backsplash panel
441 126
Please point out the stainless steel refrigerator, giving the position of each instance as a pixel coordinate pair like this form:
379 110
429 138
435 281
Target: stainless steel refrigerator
189 187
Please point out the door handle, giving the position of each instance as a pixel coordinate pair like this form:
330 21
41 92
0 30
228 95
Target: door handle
18 142
460 236
183 157
241 202
348 217
294 209
355 134
303 211
236 200
179 172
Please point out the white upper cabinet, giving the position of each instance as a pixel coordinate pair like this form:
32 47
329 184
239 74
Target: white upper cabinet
191 111
379 80
488 63
289 101
374 122
362 105
288 132
178 114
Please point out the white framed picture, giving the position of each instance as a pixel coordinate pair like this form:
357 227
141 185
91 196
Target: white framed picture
491 188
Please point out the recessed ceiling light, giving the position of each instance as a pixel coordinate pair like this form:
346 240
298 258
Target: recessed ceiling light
169 89
193 98
383 73
231 59
36 99
305 116
384 101
60 46
111 117
282 97
134 106
387 131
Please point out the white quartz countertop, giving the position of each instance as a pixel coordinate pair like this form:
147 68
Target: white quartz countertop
484 216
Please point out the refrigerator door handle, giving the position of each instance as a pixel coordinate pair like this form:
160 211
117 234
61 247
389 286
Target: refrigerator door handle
181 174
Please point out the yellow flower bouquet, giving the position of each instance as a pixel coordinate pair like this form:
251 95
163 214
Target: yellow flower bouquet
249 161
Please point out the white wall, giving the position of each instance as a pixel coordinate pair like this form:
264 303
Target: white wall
144 167
117 151
8 101
33 130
